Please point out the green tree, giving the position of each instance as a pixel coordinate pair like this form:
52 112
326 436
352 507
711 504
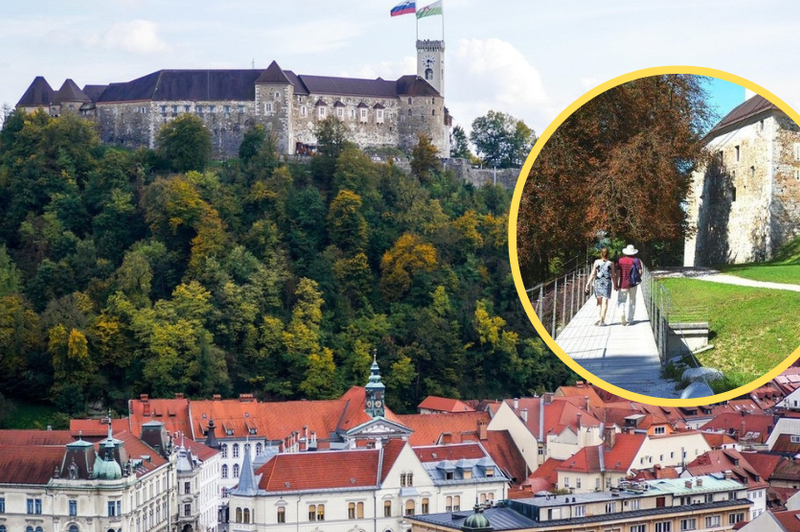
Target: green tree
347 227
184 144
424 159
502 140
9 275
459 144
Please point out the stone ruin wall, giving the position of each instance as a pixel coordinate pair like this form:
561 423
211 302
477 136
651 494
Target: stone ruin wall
785 206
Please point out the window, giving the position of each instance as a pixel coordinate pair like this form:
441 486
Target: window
409 101
457 503
689 524
281 514
268 107
611 507
72 528
467 473
2 505
410 507
340 112
665 526
660 430
577 483
387 508
428 74
235 470
236 450
363 115
238 515
448 475
352 114
187 510
672 454
448 505
733 198
73 507
187 487
490 472
794 438
163 109
797 177
425 506
639 528
360 510
735 518
320 512
35 506
225 471
597 484
213 109
712 520
277 95
187 108
409 112
580 511
246 517
227 110
402 479
351 510
410 479
174 109
379 116
224 450
144 109
321 111
566 482
112 508
303 110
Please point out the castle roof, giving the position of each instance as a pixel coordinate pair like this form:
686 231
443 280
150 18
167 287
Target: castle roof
39 93
70 92
751 107
94 91
273 74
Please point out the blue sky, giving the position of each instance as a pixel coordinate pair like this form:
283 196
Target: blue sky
527 58
723 95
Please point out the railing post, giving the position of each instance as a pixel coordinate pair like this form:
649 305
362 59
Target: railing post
555 310
564 303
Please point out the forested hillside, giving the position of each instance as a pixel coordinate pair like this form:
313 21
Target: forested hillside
128 272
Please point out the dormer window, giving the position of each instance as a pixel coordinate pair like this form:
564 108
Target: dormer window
229 432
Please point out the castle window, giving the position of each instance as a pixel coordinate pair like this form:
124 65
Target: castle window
241 109
387 508
235 470
352 114
752 171
733 198
379 116
409 101
303 110
174 109
281 514
322 111
199 109
737 153
433 112
187 108
268 107
363 115
227 109
428 74
761 125
409 112
163 110
144 109
277 95
212 108
340 112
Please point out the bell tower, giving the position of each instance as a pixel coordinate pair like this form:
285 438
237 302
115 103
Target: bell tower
374 392
430 63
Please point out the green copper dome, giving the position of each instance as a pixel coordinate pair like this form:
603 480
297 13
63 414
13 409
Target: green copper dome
477 520
107 468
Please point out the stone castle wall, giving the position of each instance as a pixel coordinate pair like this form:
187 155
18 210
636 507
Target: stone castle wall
785 206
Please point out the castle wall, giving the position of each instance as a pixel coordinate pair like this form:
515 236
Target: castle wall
273 107
423 114
125 124
785 206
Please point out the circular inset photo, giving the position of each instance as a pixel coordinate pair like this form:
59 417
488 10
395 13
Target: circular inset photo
655 236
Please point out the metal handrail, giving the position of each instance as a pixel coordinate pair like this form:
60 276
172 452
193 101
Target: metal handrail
558 300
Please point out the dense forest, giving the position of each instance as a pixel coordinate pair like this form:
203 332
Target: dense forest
155 271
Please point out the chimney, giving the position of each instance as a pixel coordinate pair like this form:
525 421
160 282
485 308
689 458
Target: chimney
610 437
578 419
699 482
579 384
246 397
548 397
216 397
516 403
482 433
313 446
524 414
143 397
586 402
178 396
688 484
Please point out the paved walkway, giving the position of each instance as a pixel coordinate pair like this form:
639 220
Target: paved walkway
715 276
624 356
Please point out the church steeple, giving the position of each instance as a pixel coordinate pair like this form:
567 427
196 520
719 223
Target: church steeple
374 391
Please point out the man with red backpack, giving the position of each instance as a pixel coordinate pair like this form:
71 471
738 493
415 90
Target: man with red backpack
629 276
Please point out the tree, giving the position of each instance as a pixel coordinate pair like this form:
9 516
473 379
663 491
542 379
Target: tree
459 144
347 227
621 164
502 140
424 159
409 256
184 144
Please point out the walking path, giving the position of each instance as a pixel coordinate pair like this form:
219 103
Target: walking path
715 276
623 356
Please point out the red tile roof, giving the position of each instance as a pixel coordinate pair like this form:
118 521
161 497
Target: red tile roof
546 471
320 470
618 458
92 429
35 437
505 453
716 440
428 429
559 414
390 453
656 473
789 520
173 413
26 464
444 404
724 460
788 469
581 391
454 452
738 425
138 449
763 463
784 444
198 449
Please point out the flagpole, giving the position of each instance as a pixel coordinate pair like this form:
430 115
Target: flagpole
416 22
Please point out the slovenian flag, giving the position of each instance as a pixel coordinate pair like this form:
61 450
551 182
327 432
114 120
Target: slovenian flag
404 8
433 9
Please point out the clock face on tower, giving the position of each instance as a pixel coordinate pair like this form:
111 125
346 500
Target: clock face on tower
428 61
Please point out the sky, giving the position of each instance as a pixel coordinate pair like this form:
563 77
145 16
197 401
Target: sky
530 58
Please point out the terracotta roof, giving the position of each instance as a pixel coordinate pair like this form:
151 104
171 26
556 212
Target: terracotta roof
532 485
273 74
789 380
784 444
716 440
736 424
618 458
559 414
581 390
173 413
751 107
656 473
505 453
92 429
200 450
546 471
444 404
320 470
764 463
454 452
29 464
355 413
138 449
737 406
391 451
39 93
790 521
724 460
428 429
35 437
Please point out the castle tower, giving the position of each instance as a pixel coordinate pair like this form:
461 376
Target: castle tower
430 63
374 391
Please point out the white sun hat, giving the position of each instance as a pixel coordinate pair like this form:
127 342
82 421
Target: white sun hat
630 250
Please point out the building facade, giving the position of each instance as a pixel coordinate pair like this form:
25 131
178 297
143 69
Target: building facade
377 112
744 203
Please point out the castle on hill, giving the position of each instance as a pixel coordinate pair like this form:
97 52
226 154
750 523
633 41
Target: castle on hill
377 112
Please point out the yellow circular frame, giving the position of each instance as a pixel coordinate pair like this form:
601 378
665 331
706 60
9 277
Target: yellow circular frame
514 214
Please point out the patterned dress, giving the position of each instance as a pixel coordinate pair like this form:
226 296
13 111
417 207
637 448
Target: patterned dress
602 278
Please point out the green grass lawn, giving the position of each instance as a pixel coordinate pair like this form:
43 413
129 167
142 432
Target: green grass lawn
752 329
785 268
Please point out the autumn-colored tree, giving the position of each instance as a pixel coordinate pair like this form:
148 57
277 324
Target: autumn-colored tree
621 165
424 159
409 256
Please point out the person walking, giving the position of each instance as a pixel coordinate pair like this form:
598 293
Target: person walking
603 274
629 276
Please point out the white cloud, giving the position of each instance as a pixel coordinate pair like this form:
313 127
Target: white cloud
136 36
312 37
491 74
